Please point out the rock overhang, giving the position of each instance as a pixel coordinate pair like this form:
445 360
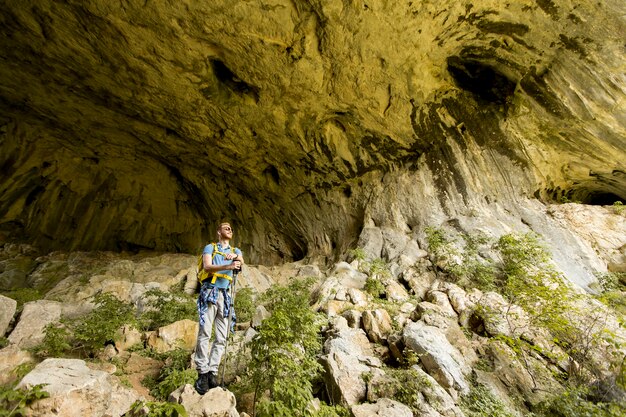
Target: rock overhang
129 127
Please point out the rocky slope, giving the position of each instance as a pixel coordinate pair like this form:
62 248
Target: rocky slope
434 345
128 126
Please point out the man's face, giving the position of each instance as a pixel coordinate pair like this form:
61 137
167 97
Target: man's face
225 230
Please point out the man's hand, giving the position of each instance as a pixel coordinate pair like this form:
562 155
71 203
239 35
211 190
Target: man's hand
235 266
230 256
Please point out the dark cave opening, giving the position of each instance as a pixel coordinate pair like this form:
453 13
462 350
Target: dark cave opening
599 198
482 80
589 196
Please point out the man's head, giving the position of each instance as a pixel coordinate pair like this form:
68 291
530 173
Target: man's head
225 231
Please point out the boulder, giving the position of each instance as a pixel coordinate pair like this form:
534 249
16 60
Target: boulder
371 241
395 241
418 282
10 358
433 315
441 299
499 317
336 307
429 398
182 333
384 407
440 358
77 391
395 291
353 317
377 324
217 402
347 276
129 336
191 280
29 330
7 311
137 367
260 314
527 377
347 356
357 297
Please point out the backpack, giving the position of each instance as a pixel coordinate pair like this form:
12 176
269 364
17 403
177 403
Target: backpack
204 275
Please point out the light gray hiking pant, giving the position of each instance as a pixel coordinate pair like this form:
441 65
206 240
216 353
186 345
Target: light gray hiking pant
205 361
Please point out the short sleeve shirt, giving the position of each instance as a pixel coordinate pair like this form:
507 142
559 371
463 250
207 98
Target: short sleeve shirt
218 259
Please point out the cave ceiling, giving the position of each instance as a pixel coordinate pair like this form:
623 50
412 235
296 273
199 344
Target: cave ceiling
139 125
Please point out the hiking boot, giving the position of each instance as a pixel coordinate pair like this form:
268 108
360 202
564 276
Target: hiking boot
212 380
202 384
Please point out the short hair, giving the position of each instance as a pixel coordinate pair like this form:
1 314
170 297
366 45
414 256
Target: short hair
223 223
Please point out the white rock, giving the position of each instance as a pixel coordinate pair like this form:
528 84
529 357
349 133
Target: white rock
353 317
441 299
77 391
377 325
371 241
217 402
440 358
260 314
348 277
29 330
384 407
394 244
347 354
7 310
357 297
395 291
419 282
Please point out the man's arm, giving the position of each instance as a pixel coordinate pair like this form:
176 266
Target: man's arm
207 262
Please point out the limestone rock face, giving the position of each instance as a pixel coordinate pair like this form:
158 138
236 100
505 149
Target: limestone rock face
130 126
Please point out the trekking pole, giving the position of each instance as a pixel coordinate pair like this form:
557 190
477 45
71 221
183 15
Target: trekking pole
230 320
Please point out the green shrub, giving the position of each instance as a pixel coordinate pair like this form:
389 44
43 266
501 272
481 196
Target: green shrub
156 409
84 336
357 254
480 402
618 207
575 403
612 290
378 271
284 354
165 308
56 341
531 282
408 384
244 305
374 287
13 402
174 374
464 266
103 323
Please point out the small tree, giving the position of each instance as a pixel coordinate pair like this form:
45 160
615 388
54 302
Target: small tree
284 354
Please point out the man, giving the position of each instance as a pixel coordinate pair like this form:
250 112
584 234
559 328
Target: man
219 261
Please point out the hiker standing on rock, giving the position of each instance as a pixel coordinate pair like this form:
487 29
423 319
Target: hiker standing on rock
219 260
